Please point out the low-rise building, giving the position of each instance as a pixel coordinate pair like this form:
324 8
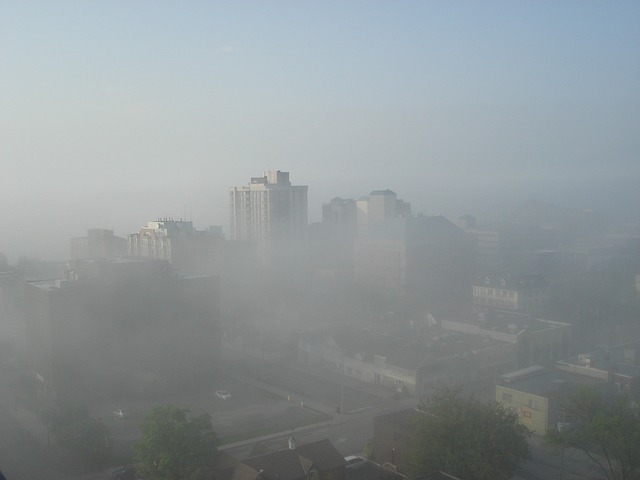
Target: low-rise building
618 366
538 341
537 393
413 362
507 292
317 460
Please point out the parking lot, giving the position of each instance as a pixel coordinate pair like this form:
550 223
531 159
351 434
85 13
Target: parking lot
252 410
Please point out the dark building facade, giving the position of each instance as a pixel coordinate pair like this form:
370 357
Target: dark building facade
109 322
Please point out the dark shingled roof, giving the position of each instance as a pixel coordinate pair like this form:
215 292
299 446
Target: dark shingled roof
295 464
323 453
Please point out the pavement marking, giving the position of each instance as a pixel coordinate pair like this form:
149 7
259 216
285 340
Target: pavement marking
320 414
357 410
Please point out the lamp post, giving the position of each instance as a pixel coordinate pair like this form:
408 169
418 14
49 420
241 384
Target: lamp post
342 387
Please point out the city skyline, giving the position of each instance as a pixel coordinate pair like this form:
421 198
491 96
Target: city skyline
115 113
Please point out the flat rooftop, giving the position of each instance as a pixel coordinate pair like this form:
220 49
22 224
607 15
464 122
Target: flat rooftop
512 322
624 359
545 382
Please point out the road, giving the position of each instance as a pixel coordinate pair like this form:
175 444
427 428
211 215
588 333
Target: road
352 428
350 432
26 456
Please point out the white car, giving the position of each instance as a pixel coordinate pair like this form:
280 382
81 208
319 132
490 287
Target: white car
119 413
223 394
354 462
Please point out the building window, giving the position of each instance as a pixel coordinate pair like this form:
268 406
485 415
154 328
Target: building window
507 397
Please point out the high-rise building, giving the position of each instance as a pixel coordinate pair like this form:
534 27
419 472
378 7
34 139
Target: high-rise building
269 212
178 242
99 243
379 207
425 257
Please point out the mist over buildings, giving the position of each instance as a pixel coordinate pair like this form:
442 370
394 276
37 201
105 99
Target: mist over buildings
108 120
400 195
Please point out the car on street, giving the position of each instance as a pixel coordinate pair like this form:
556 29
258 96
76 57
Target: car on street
223 394
119 413
354 462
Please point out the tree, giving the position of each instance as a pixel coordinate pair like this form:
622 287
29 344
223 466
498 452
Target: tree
174 447
467 438
606 429
72 427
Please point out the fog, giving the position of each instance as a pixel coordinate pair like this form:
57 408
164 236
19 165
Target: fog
459 157
114 114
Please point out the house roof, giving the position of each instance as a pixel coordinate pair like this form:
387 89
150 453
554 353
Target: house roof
281 465
291 464
323 453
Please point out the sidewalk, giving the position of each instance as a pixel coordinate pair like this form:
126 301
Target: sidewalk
310 405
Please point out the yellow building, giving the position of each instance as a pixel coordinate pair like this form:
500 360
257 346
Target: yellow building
536 394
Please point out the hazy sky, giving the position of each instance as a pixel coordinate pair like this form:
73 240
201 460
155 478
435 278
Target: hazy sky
113 113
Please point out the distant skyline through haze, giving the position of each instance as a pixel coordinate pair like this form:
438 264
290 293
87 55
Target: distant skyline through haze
116 113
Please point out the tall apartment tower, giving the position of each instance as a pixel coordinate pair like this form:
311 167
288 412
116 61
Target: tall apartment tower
269 211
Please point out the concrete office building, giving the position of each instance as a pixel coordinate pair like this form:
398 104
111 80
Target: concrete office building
420 256
109 322
99 243
179 243
269 212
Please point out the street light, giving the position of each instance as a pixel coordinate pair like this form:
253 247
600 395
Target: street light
342 385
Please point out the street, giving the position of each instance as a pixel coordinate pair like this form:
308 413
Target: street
280 401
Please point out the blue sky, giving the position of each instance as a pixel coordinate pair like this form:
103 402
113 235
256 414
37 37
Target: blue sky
113 113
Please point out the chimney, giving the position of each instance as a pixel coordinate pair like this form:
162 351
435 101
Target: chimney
292 442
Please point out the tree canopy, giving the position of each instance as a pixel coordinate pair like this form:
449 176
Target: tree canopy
72 427
605 428
467 438
173 446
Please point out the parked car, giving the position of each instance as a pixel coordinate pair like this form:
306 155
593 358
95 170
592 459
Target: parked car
355 462
128 472
223 394
119 413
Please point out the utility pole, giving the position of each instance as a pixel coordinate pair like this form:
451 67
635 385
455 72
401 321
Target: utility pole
342 387
564 426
